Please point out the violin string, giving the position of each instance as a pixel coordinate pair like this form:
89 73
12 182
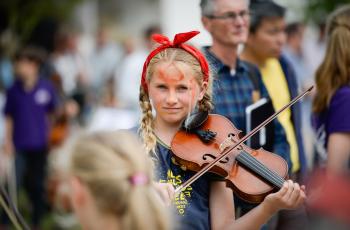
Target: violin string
256 169
263 167
242 159
268 171
274 177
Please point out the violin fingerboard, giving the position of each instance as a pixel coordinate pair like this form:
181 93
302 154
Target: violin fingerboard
255 166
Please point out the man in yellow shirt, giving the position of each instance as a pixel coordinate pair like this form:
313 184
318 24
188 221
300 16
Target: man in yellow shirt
263 48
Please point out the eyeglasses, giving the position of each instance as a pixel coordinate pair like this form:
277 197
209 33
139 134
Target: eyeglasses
244 14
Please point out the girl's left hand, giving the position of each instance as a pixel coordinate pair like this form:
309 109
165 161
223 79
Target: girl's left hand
290 196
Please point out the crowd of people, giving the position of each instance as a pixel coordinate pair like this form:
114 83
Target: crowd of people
94 137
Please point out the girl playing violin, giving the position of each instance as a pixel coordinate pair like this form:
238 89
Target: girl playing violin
175 81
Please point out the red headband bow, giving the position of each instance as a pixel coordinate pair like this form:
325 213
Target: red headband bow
179 42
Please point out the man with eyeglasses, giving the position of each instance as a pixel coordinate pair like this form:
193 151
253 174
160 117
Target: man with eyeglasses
237 84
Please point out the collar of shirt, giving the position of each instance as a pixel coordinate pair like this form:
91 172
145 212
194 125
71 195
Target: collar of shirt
218 66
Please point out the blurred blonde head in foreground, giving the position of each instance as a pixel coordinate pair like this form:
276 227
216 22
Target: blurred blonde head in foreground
111 183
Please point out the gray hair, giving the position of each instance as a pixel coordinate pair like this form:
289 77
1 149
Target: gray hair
208 7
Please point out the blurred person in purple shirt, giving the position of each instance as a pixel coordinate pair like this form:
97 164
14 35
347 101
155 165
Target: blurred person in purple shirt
29 103
331 105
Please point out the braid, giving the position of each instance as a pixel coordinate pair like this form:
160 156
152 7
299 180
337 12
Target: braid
206 104
147 126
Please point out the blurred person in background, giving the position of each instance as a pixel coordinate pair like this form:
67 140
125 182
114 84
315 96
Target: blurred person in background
72 70
6 69
6 80
315 47
294 52
110 177
329 201
117 102
332 100
237 83
104 61
264 48
128 75
30 103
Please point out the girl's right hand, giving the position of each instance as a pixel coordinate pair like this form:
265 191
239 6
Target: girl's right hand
290 196
166 192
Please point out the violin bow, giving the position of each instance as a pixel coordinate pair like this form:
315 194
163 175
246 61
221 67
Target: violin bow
227 150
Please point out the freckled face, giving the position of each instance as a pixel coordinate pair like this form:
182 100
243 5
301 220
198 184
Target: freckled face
173 91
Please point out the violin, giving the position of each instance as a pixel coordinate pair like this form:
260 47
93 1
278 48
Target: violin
252 174
212 143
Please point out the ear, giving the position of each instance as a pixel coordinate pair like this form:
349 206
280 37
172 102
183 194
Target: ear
204 88
206 23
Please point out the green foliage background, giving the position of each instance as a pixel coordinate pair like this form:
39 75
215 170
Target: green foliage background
24 15
317 10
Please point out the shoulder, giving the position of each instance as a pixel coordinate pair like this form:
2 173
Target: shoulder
247 64
338 110
284 61
341 97
248 67
286 65
45 84
252 71
14 88
343 91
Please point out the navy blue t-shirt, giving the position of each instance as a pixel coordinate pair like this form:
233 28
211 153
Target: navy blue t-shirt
192 204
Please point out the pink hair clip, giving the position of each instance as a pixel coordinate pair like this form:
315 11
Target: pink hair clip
138 179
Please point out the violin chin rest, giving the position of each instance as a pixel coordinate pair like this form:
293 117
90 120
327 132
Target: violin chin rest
195 120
